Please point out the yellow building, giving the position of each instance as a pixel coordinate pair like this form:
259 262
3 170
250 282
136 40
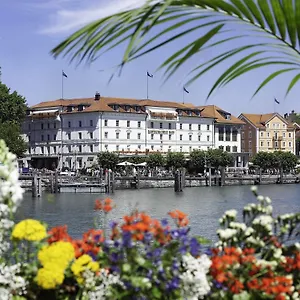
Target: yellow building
267 132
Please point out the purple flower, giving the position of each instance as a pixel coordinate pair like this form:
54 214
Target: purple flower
115 269
164 222
173 284
195 247
147 237
114 257
113 224
126 240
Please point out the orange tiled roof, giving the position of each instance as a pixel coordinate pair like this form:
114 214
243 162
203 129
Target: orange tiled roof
259 120
214 111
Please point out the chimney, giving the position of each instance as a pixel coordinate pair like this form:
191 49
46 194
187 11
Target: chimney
97 96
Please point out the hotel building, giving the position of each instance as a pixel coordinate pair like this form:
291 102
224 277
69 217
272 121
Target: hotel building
267 132
71 132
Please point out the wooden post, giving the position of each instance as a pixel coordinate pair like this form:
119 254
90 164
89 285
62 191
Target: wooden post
222 176
209 175
281 176
34 185
56 182
39 186
51 184
177 183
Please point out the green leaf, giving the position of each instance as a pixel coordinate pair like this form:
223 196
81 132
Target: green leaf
279 17
289 15
293 82
265 9
255 12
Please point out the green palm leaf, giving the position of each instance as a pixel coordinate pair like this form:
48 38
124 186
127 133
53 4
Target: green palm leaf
218 22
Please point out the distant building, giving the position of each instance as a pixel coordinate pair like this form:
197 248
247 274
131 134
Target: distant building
267 132
294 118
70 133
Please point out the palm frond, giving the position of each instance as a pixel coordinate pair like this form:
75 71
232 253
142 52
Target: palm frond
216 22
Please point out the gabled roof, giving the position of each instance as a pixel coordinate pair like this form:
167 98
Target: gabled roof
217 113
260 120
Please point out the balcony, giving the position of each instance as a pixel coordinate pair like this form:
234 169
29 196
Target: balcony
278 138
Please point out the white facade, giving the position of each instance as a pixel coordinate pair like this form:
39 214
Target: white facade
74 138
228 137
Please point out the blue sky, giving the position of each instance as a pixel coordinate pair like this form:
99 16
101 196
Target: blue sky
29 29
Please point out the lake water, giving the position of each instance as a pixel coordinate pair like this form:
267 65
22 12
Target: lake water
204 205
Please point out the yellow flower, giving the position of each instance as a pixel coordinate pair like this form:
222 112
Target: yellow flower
83 263
50 277
30 230
58 253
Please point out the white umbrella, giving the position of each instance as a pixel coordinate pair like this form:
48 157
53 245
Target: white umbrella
143 164
125 163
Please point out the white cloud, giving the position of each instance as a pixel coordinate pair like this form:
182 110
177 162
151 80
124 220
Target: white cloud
65 18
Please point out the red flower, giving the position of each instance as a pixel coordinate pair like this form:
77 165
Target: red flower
236 287
179 217
59 233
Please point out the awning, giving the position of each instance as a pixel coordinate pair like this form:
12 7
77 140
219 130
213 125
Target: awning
44 113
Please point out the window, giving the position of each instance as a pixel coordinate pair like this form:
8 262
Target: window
199 138
190 137
180 149
190 126
91 135
69 149
161 136
268 134
283 125
139 147
128 123
117 147
190 149
152 125
139 124
276 144
48 150
261 144
221 148
234 135
105 122
228 148
29 127
283 144
250 144
117 135
273 125
221 134
207 127
234 149
268 144
180 126
139 136
54 125
290 144
160 125
170 137
106 134
170 126
128 135
180 137
69 124
42 137
54 137
42 126
152 147
48 125
283 134
199 126
106 147
250 134
42 149
91 124
290 134
152 136
79 148
48 137
80 124
80 135
228 134
243 134
208 138
69 136
91 148
276 135
261 134
29 138
54 150
117 123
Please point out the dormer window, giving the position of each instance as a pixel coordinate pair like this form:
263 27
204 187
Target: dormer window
69 108
189 112
81 107
116 107
138 108
197 112
180 112
228 117
127 107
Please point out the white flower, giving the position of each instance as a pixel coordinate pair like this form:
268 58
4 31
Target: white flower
297 245
226 234
193 280
231 213
268 200
264 263
253 188
237 225
265 221
260 198
249 231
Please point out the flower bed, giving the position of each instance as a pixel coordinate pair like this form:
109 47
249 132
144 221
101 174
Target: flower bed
146 258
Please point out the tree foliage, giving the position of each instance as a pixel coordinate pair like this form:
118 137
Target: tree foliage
155 160
10 133
197 160
218 158
12 113
175 160
223 25
108 160
275 160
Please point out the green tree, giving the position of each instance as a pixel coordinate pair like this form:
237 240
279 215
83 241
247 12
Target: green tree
12 105
264 160
175 160
223 25
155 160
108 160
10 133
197 161
218 158
12 113
285 160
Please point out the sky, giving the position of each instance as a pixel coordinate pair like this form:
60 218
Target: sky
29 29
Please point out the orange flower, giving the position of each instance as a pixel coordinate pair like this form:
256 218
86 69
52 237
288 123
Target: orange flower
236 287
105 205
179 217
98 205
59 233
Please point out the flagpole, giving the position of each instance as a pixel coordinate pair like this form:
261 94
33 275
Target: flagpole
147 86
62 84
182 95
